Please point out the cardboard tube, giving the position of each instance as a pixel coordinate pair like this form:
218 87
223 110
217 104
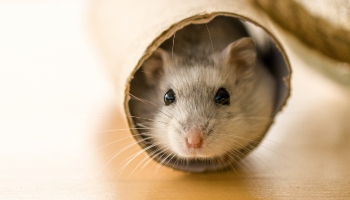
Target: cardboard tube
128 32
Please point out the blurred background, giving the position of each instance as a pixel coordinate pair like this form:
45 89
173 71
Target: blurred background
53 92
58 112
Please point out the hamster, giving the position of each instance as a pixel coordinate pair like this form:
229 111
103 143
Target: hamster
204 100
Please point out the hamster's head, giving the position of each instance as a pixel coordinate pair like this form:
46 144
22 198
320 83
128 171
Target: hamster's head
210 111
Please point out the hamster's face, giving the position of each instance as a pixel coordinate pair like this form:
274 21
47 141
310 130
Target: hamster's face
207 110
207 113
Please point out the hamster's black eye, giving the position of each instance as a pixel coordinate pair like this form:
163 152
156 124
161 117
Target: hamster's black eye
222 97
169 97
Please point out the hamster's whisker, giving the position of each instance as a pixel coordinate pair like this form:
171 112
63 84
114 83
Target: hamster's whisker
122 129
286 147
124 138
149 103
142 125
250 170
285 157
237 162
172 157
187 161
224 164
281 155
161 164
163 151
179 161
230 151
132 157
250 149
138 165
238 153
300 112
119 152
152 155
146 125
151 120
241 157
281 145
172 48
243 118
160 150
147 157
211 41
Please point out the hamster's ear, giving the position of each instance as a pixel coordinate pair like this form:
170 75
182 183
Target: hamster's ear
240 55
153 67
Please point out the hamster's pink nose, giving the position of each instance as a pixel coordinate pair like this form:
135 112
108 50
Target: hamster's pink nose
194 139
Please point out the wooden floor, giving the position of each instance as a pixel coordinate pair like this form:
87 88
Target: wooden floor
61 136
